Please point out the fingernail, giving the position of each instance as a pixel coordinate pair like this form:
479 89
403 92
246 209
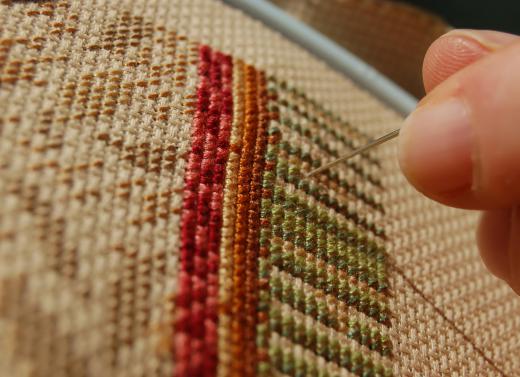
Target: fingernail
435 147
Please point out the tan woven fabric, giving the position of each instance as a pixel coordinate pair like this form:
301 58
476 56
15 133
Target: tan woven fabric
99 107
391 36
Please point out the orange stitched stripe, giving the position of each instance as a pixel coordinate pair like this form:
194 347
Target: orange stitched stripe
245 251
228 222
253 242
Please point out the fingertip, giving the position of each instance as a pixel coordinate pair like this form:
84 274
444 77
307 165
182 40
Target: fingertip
448 55
514 250
458 49
498 238
493 239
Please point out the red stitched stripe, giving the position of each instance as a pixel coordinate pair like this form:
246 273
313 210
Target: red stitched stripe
215 218
201 220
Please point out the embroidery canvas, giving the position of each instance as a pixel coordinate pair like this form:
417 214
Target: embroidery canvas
156 218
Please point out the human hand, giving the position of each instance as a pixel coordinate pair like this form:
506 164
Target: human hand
461 146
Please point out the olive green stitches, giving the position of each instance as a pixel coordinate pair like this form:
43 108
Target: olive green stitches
284 360
325 147
322 273
275 86
264 263
358 257
304 302
325 344
297 178
323 198
353 296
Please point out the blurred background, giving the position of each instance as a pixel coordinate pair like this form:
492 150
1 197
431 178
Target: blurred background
503 15
393 36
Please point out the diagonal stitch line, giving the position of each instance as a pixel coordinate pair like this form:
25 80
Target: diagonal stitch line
446 318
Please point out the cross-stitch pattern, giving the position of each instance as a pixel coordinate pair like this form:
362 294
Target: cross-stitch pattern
156 218
301 271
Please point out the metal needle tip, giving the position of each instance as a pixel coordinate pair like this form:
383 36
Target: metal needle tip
364 148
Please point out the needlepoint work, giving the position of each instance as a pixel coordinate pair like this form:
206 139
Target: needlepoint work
294 273
156 218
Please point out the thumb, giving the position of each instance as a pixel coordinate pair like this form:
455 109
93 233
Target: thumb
461 146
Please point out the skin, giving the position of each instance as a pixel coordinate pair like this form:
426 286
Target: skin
461 146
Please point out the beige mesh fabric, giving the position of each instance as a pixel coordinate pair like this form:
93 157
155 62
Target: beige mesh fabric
97 100
391 36
446 271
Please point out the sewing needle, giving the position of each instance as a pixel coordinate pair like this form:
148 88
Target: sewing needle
362 149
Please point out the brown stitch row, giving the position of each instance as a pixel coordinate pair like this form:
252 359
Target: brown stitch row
241 359
253 237
228 228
